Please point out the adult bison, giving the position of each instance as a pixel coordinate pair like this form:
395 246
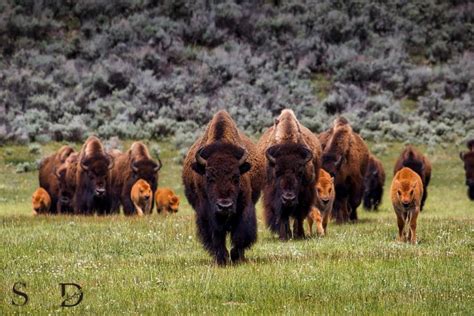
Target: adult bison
292 156
47 178
93 192
129 167
66 175
222 178
374 180
468 159
416 161
345 157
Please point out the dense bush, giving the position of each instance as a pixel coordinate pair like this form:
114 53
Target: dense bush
400 70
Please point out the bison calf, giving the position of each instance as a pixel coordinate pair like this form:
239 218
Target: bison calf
374 180
41 201
325 195
141 196
406 194
166 201
468 159
416 161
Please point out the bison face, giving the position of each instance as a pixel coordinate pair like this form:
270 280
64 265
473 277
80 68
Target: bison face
222 166
147 170
97 169
332 163
406 194
288 170
468 159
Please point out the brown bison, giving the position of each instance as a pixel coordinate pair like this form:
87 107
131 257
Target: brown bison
373 184
325 195
134 164
292 155
416 161
41 201
47 171
222 176
166 201
141 197
468 159
406 193
93 192
345 157
66 175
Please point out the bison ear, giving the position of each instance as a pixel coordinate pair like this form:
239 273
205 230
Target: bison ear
306 154
198 168
158 166
243 168
461 155
270 154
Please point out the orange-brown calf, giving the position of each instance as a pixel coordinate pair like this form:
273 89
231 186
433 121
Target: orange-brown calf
141 196
41 201
166 200
406 194
325 195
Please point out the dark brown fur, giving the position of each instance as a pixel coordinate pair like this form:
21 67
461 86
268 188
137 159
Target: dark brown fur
289 189
416 161
345 157
468 159
373 184
47 178
66 175
130 166
93 192
223 190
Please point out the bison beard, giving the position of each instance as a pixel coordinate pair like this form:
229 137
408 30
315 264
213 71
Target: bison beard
226 204
289 191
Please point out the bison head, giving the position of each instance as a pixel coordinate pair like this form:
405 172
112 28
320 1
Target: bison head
97 169
333 163
66 188
288 171
146 169
468 159
222 166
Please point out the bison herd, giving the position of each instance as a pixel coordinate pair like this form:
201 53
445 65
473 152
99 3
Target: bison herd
300 175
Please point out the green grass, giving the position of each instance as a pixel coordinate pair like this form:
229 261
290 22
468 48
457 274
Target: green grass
155 265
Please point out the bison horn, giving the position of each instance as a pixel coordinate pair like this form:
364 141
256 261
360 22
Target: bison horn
244 157
338 162
84 166
111 161
159 165
308 155
134 167
461 155
269 156
199 158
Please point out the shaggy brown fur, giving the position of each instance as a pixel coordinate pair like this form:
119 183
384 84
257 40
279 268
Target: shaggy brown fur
66 175
416 161
166 201
41 201
47 178
93 179
325 195
406 192
345 157
222 178
468 159
373 184
141 196
292 171
130 166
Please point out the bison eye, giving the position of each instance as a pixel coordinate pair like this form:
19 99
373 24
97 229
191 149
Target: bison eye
399 192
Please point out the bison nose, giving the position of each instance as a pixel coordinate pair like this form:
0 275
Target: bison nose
406 204
288 197
100 191
64 200
146 197
224 204
325 201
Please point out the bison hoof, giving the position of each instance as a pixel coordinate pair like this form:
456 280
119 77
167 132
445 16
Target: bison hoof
237 255
221 259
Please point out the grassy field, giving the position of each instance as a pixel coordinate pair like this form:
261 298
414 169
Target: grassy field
155 265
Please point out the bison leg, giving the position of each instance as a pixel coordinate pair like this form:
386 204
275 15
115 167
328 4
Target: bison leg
213 240
325 221
220 251
401 226
310 224
412 234
423 199
298 231
128 208
244 234
285 232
